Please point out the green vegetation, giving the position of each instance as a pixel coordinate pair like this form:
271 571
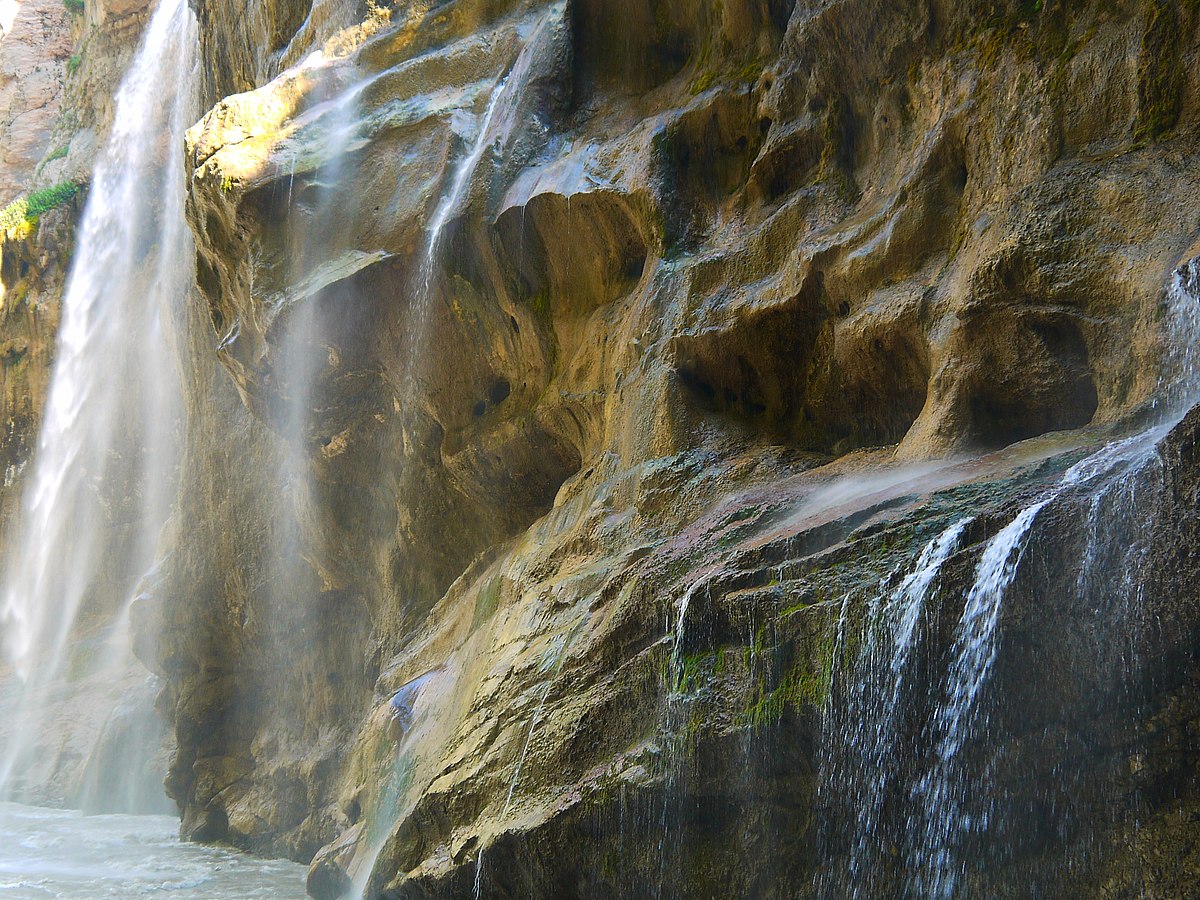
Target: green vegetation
75 6
73 63
20 216
540 302
796 690
56 153
703 82
487 601
48 198
778 684
694 671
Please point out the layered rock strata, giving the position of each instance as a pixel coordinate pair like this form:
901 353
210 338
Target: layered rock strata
714 264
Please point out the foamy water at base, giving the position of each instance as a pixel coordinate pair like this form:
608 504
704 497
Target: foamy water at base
64 854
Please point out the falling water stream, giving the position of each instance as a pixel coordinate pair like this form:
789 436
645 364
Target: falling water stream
106 461
488 129
865 731
112 422
871 753
101 490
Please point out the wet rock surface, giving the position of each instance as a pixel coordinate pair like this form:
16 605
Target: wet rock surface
709 256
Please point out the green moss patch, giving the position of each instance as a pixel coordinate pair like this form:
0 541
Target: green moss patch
20 216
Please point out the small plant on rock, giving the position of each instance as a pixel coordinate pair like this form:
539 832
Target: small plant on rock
19 217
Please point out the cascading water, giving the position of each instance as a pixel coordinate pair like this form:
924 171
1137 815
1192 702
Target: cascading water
941 795
861 755
397 778
106 461
482 132
929 844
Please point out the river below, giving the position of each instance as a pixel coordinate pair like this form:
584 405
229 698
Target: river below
63 854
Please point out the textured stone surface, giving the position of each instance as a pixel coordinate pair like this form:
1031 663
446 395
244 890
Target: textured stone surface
711 255
35 42
728 283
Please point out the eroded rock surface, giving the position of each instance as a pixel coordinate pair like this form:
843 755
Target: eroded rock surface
35 43
605 436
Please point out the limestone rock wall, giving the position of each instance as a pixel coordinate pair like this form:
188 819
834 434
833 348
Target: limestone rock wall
574 480
35 44
711 260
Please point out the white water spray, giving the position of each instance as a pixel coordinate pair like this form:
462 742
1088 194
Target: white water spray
950 798
941 791
109 437
860 762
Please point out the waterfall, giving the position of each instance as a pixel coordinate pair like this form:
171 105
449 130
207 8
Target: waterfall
105 468
459 182
942 792
861 754
951 802
298 358
908 780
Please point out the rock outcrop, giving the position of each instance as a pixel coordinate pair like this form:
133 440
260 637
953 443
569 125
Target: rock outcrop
603 350
35 45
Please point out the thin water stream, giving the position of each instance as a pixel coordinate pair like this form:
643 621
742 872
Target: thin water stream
908 780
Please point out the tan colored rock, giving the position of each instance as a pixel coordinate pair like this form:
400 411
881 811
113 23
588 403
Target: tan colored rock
104 10
728 284
35 42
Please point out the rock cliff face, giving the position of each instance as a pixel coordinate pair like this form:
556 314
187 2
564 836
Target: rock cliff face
589 370
568 426
35 44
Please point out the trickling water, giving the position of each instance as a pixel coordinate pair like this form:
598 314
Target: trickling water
942 793
109 437
491 129
552 667
1179 383
458 185
862 753
952 800
409 708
